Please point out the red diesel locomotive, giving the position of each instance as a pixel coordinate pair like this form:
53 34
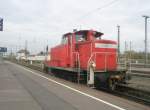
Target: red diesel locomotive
83 56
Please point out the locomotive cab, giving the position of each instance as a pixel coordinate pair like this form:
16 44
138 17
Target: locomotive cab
92 48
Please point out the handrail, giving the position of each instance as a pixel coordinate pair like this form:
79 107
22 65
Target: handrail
78 60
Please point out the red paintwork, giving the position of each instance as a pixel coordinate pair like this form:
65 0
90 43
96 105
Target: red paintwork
64 55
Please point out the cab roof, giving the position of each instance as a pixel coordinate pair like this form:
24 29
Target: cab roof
97 34
67 34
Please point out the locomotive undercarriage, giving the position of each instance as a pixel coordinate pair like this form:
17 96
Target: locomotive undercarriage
106 79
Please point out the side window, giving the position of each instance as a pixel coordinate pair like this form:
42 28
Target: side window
64 40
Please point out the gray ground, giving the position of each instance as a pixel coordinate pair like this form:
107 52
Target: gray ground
22 90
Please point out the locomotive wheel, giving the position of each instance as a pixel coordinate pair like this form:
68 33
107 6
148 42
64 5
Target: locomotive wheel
112 84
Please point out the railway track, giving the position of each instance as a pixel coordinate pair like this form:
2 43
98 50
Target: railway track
132 93
143 72
122 90
140 74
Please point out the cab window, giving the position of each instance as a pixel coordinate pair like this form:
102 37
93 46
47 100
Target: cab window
80 37
64 40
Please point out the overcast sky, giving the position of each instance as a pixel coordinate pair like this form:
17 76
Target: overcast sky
43 22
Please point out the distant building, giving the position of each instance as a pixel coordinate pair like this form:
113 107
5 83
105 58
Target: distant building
36 58
42 53
22 54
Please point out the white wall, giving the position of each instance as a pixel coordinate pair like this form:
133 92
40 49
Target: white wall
36 58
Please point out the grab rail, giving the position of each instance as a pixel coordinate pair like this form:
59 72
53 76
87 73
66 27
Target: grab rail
78 61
